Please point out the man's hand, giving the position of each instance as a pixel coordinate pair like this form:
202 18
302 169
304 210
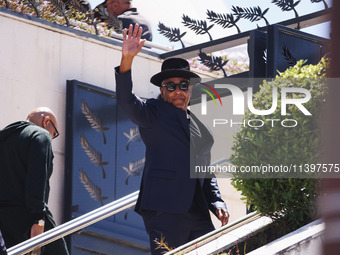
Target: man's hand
222 215
132 45
36 230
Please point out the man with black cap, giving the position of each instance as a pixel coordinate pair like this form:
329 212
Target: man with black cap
173 205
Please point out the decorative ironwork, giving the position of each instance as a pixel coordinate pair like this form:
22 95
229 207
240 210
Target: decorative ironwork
32 3
225 20
61 9
318 1
96 123
99 14
214 63
200 27
265 56
84 7
134 136
288 56
229 20
95 192
95 156
250 13
288 5
7 4
173 34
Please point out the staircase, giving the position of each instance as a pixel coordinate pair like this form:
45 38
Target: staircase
306 240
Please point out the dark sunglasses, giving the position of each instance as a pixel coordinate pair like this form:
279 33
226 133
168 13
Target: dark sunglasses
171 86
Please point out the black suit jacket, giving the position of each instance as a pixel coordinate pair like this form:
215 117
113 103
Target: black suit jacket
166 184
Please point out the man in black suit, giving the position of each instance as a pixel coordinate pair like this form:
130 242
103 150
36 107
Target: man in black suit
173 205
26 163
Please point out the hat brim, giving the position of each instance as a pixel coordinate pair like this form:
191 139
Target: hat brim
161 76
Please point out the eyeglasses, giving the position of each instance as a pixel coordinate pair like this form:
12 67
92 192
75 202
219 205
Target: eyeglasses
56 130
171 86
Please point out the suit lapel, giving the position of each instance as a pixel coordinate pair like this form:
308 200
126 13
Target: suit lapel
184 121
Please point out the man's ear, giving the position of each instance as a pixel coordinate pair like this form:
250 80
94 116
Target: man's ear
45 121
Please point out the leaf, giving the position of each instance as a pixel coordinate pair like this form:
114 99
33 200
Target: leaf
318 1
198 26
135 168
291 60
173 34
250 13
214 63
95 157
96 123
285 5
225 20
134 136
94 191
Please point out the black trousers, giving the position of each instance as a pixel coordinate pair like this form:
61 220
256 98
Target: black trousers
174 229
16 223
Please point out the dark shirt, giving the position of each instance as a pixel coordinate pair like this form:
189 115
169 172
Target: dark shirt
26 165
131 16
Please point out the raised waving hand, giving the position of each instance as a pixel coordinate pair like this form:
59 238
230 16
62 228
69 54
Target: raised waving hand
132 45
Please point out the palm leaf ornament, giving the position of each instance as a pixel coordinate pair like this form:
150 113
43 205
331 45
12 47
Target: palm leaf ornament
94 191
95 157
96 123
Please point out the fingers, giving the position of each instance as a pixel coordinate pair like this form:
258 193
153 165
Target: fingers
140 31
124 34
141 44
135 30
223 216
130 31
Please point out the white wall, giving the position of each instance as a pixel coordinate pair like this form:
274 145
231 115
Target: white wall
36 61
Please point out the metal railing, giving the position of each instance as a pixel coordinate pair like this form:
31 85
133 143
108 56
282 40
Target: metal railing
75 224
211 236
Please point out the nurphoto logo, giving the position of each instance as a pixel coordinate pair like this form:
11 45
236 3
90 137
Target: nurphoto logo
240 101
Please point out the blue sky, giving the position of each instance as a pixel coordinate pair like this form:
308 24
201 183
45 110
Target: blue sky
170 12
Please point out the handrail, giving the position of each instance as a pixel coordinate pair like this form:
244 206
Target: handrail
217 232
75 224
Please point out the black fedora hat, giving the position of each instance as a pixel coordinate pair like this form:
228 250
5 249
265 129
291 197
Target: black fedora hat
174 67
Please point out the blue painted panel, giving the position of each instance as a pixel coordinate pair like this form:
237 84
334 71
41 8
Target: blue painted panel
104 161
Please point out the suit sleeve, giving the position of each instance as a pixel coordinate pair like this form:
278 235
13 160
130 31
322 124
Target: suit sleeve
39 169
138 110
213 195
